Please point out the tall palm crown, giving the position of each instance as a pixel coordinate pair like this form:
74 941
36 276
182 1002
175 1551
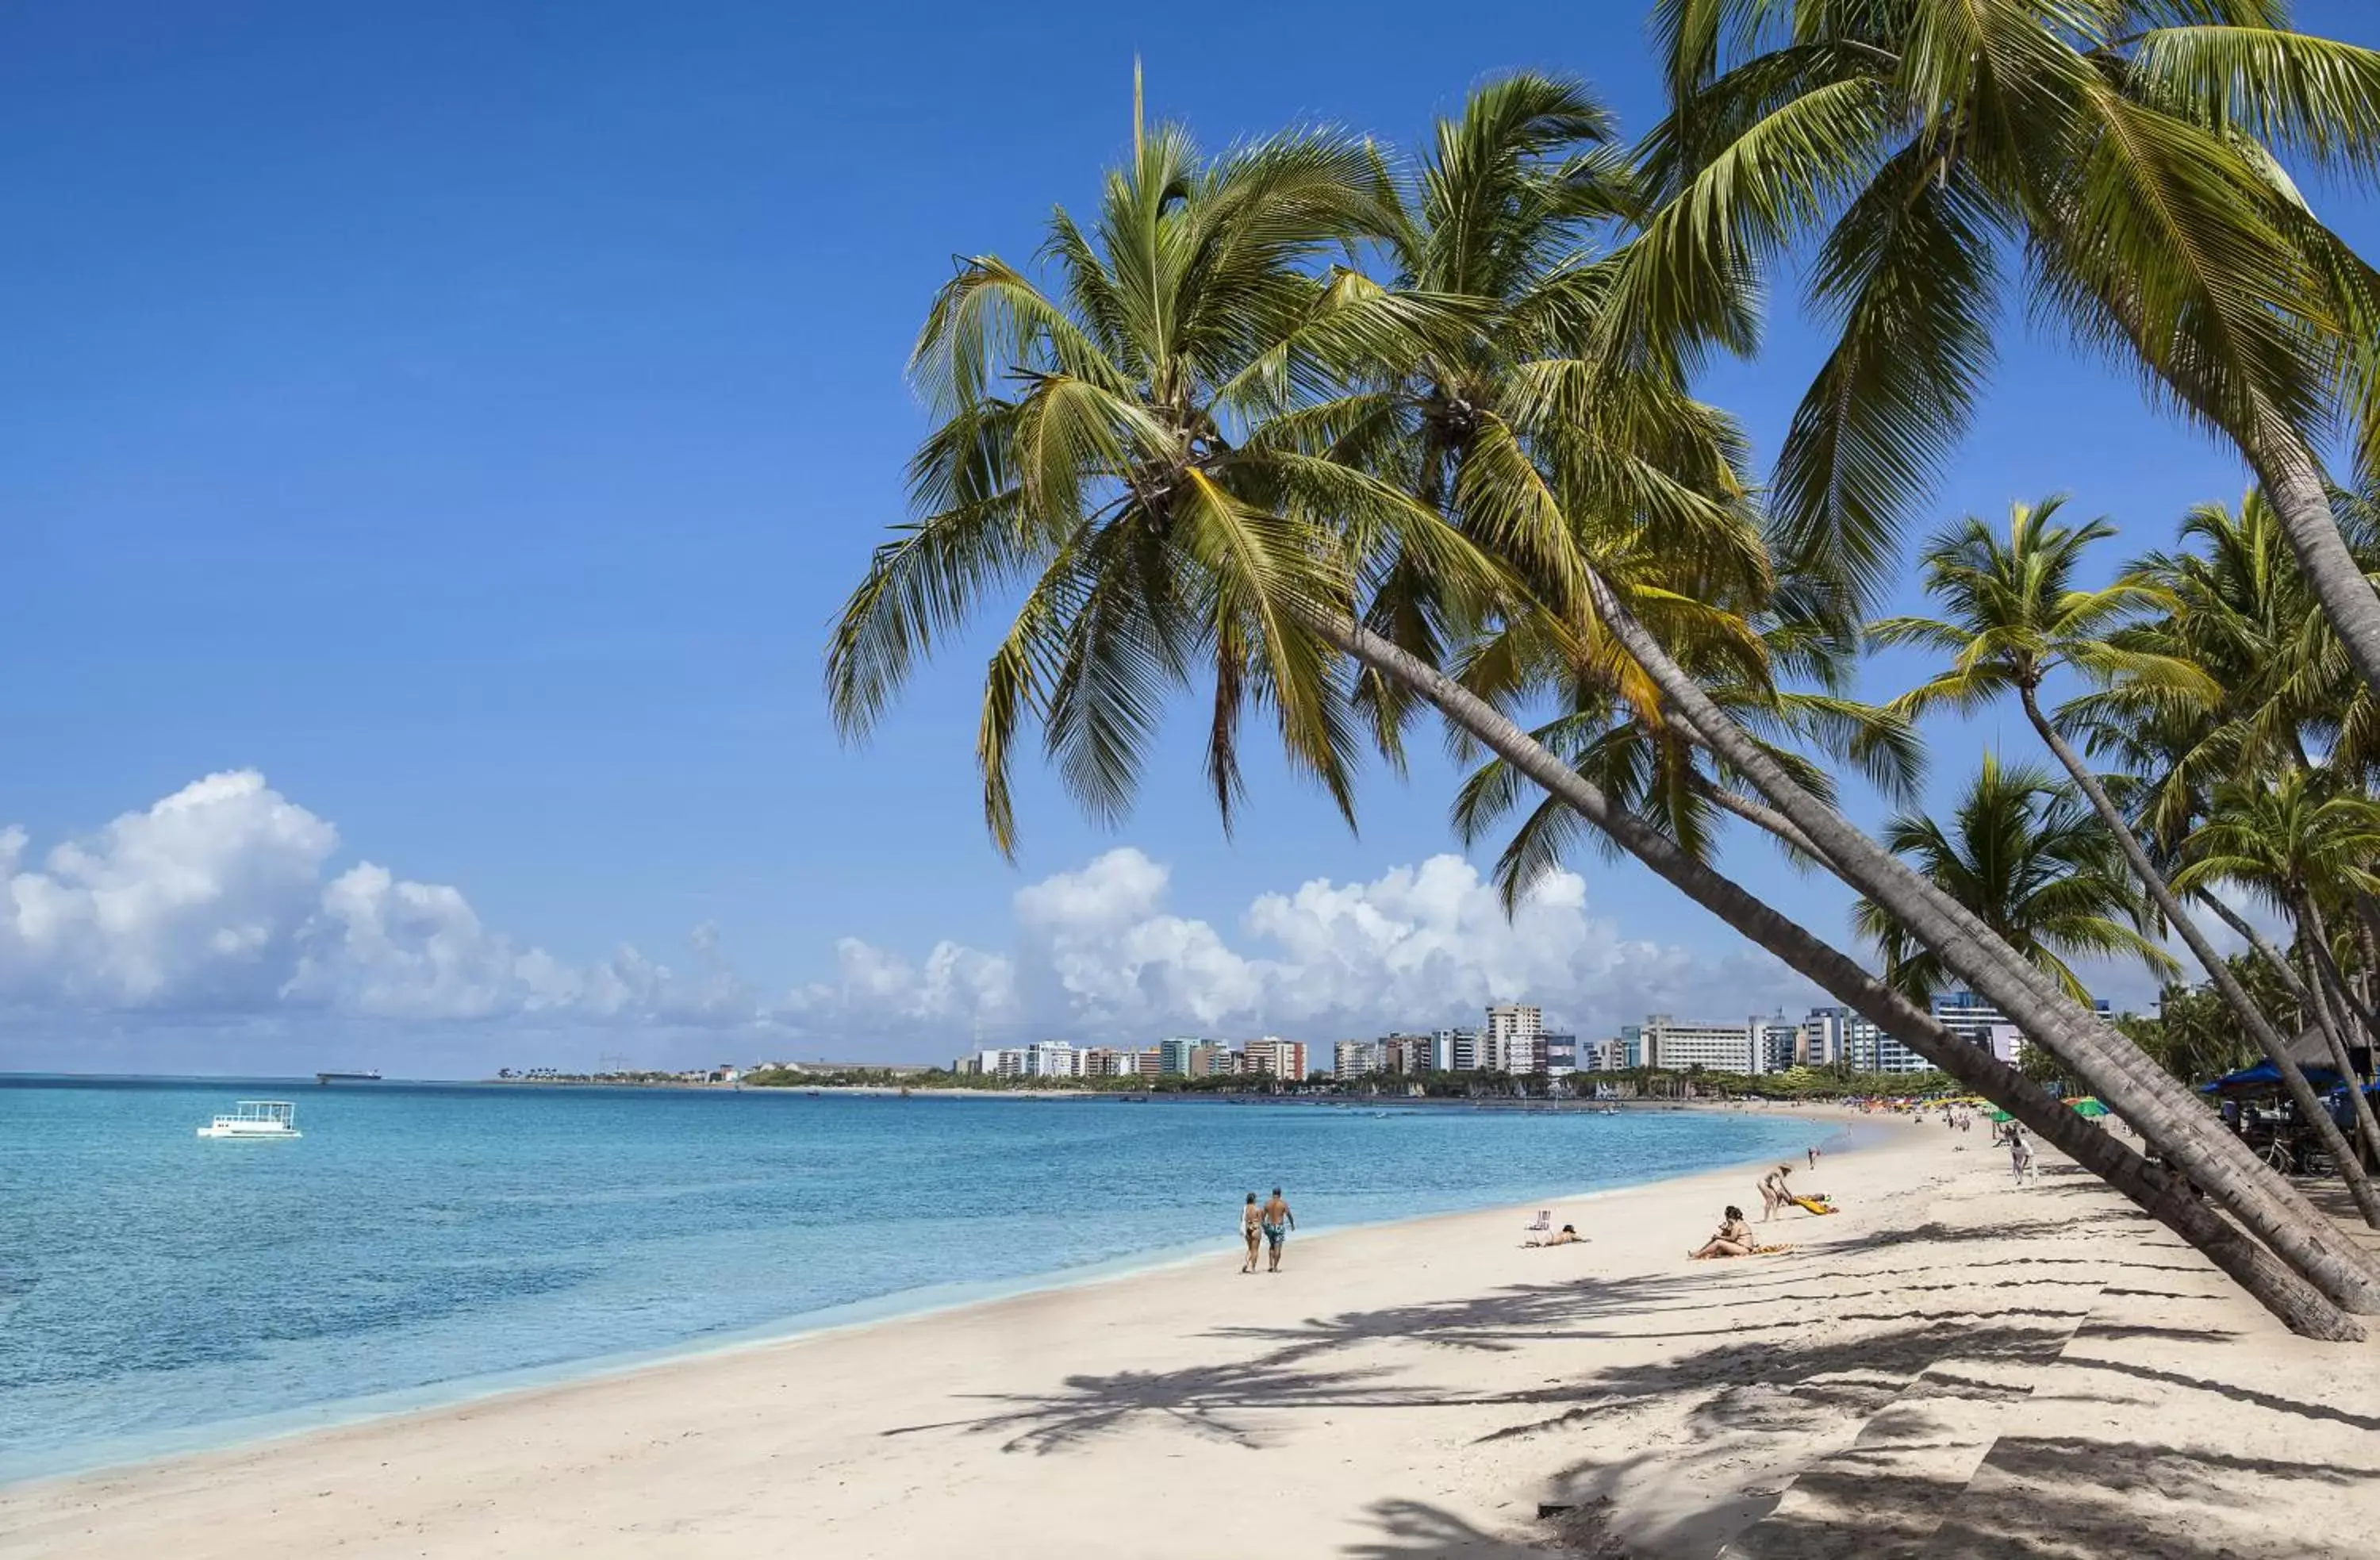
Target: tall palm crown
1130 448
2013 615
1532 439
2293 840
2127 151
2032 863
2236 606
1545 446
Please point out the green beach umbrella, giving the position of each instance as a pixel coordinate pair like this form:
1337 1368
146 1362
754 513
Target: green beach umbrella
1999 1116
2088 1106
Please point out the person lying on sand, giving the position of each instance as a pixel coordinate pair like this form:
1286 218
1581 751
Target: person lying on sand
1566 1236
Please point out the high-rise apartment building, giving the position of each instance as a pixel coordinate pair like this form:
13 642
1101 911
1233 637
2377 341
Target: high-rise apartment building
1275 1057
1209 1059
1410 1053
1514 1039
1455 1051
1775 1043
1561 1053
1838 1036
1678 1045
1052 1058
1355 1058
1173 1054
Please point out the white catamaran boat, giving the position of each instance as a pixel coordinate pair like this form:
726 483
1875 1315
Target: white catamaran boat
255 1118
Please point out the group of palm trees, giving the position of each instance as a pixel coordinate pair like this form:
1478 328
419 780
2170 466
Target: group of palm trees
1337 437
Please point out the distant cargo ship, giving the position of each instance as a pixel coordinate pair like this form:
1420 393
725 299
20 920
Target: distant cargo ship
328 1078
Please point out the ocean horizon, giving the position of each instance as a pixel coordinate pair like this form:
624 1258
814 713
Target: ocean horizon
424 1242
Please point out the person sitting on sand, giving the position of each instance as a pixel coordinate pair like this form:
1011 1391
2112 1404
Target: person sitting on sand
1733 1240
1773 1192
1278 1222
1565 1236
1249 1219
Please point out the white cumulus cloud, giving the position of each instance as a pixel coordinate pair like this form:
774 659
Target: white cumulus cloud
217 899
1098 956
228 902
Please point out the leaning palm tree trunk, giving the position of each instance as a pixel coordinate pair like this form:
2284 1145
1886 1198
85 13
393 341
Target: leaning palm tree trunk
2146 1095
2302 1307
2218 970
2367 940
2274 958
2293 485
2330 996
2355 1013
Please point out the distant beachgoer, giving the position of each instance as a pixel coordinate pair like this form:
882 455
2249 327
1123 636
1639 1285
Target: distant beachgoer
1773 1191
1249 1219
2019 1153
1278 1222
1813 1157
1565 1236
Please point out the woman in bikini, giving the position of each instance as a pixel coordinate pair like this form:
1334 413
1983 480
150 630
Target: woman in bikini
1249 1221
1735 1240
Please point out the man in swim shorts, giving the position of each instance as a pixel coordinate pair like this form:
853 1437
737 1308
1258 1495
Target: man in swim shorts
1278 1222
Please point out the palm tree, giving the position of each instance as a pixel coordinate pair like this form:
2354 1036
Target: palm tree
1140 454
2307 1303
1118 446
1541 427
2013 616
1530 451
2131 149
2293 844
1926 131
1540 450
2033 864
2242 611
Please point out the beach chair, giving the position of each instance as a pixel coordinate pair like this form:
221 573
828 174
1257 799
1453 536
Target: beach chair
1545 1222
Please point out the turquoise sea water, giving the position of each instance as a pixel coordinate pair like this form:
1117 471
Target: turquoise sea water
424 1241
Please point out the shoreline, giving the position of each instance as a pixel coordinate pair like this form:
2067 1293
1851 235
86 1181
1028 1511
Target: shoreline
1844 1126
2015 1369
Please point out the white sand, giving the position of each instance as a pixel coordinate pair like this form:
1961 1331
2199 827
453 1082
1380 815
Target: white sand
1953 1367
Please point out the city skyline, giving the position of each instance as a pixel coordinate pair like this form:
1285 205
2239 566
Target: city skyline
1513 1041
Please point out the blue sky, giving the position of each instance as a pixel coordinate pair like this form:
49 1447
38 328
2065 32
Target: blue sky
468 418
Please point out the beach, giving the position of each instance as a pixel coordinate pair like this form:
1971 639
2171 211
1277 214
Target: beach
1954 1365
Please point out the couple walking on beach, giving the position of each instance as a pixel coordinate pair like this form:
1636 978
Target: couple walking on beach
1269 1223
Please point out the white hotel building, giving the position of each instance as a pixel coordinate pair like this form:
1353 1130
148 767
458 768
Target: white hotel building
1515 1040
